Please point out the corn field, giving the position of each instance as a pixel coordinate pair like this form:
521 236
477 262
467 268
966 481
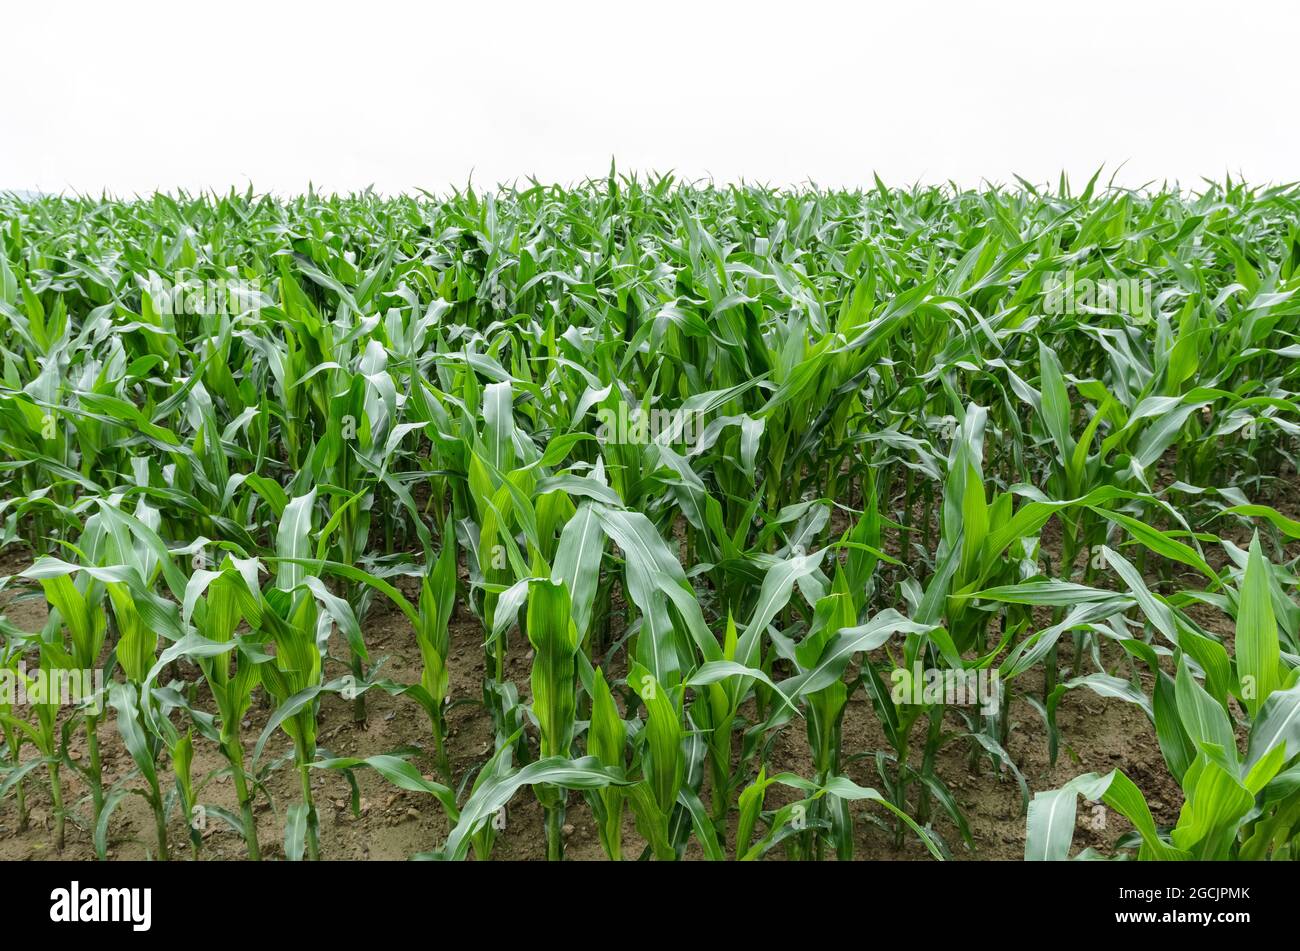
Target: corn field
651 520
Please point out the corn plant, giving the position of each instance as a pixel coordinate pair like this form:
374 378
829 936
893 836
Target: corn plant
218 602
1233 806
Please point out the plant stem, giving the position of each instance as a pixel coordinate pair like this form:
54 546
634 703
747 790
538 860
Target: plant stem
56 804
442 761
160 823
555 830
313 841
235 753
22 808
96 774
900 790
613 833
358 702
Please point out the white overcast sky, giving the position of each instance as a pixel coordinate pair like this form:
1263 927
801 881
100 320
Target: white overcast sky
132 97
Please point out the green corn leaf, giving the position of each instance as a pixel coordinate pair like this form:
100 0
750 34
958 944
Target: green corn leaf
1258 653
555 640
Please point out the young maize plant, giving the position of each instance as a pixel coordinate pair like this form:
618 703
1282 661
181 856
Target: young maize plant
293 678
297 628
607 744
82 615
47 736
626 490
217 602
1235 806
11 732
437 599
554 681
